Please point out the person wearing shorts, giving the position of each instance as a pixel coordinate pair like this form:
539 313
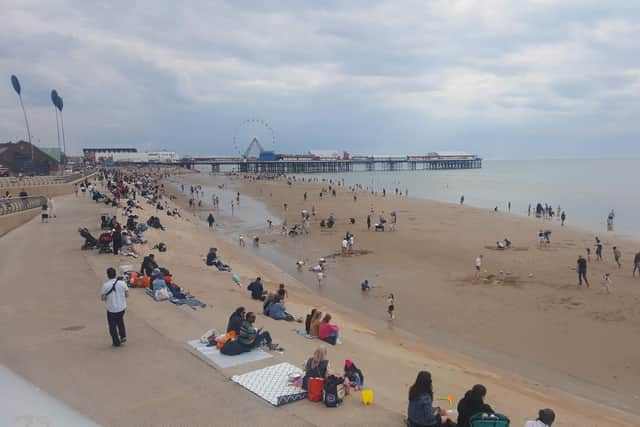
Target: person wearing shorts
391 306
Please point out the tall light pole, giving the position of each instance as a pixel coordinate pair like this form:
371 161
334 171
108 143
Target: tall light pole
16 86
54 100
59 104
64 141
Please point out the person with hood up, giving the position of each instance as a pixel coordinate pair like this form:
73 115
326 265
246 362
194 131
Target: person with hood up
472 403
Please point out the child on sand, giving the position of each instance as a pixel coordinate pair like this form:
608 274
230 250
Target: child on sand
478 265
241 240
391 306
606 283
365 286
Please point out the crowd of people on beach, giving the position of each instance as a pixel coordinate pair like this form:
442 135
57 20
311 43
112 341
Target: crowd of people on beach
243 336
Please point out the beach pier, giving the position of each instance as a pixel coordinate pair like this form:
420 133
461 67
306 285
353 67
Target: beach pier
297 164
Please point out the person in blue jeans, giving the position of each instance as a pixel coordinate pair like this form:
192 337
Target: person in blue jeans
421 412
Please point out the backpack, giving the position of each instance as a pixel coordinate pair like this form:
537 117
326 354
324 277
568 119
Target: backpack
330 391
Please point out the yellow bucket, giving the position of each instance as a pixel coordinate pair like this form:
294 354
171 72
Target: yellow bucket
367 396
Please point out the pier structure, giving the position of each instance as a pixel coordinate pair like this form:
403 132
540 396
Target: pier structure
309 164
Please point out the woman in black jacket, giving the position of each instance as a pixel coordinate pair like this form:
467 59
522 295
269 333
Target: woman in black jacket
472 403
235 321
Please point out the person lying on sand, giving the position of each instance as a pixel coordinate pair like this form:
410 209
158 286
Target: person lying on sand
278 311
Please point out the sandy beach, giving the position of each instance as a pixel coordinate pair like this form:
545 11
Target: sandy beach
57 338
526 316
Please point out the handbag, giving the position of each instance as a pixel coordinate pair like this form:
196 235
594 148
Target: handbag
315 387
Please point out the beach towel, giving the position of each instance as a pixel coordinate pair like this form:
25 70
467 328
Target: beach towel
213 355
191 302
303 333
273 383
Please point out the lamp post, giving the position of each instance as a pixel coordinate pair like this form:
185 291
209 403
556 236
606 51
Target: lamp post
64 140
16 86
54 100
59 104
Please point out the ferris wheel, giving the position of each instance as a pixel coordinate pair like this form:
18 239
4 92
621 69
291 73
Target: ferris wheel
254 133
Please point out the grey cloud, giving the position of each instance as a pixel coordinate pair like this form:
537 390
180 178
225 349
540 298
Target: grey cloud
500 78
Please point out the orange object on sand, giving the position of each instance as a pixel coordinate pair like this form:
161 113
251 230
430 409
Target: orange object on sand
143 282
222 341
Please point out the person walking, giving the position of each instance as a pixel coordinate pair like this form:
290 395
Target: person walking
598 249
211 220
368 222
478 266
462 199
617 255
115 293
636 264
391 306
509 206
116 238
582 271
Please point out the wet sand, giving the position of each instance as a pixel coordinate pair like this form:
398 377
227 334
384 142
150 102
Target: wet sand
530 320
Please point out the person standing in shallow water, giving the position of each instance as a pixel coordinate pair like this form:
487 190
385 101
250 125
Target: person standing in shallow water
563 217
462 199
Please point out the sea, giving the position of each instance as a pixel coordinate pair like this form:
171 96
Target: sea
587 190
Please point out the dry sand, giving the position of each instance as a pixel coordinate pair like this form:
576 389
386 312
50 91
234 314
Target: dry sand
526 316
154 380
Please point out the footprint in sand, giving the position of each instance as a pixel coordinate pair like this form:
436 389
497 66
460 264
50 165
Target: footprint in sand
608 316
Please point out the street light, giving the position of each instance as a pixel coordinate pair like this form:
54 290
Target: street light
16 86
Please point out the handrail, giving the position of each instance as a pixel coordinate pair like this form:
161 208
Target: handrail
13 182
19 204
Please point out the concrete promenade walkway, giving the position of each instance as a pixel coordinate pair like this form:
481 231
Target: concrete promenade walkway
53 332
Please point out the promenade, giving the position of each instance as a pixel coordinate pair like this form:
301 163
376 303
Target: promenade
53 333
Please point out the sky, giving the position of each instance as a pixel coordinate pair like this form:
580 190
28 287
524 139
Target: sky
499 78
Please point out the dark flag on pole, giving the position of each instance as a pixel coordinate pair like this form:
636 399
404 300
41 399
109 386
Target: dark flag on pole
16 84
54 97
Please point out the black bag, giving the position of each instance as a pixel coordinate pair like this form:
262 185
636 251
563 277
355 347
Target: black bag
330 391
113 287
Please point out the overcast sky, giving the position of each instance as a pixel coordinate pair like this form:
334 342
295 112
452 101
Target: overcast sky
503 79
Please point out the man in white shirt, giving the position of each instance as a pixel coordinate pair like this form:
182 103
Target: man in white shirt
114 293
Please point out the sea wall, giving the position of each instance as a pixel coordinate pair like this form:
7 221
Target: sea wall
15 220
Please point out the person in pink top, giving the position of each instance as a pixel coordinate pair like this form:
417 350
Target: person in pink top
327 331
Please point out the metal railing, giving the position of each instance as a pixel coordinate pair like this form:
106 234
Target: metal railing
14 182
19 204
